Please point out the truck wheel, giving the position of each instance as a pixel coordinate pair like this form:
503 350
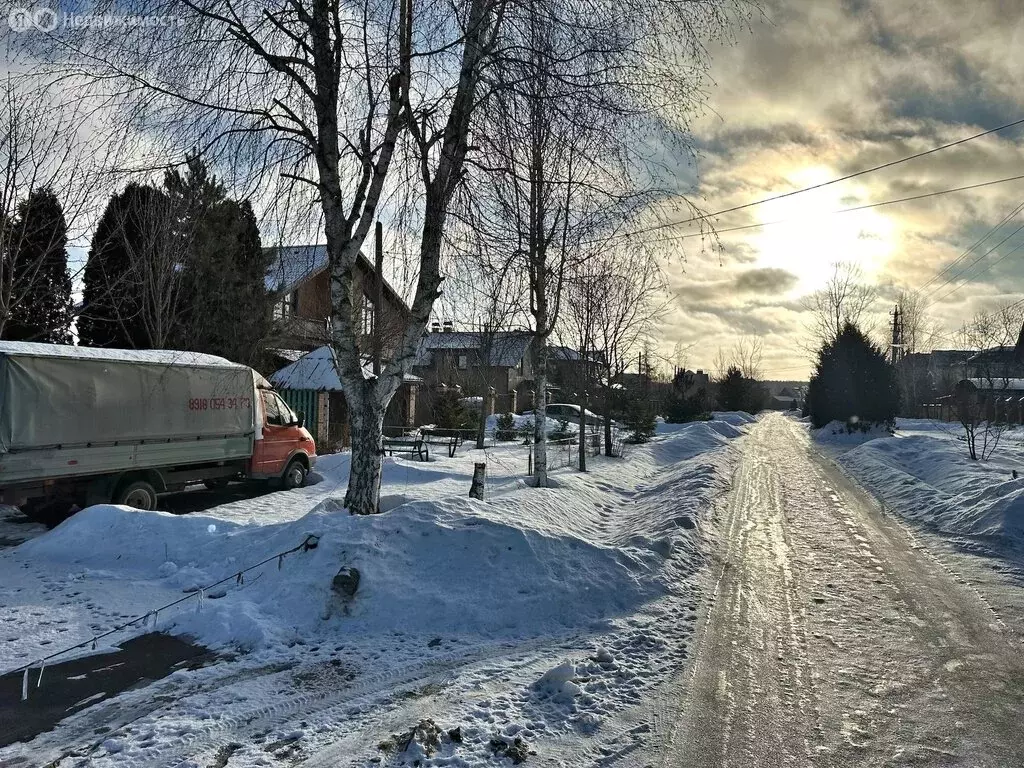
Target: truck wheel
294 475
138 494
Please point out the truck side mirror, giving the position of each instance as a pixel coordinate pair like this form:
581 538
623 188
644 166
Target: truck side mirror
300 419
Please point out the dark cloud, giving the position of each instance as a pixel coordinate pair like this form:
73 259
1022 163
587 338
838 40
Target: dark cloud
766 280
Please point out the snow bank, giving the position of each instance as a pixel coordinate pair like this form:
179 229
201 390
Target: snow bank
736 418
837 432
931 479
726 423
438 566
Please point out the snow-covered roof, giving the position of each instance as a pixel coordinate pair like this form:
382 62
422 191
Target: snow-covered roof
318 370
156 356
295 264
507 348
998 383
288 354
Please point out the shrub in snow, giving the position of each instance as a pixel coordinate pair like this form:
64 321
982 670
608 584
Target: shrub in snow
506 429
640 422
736 392
852 383
562 432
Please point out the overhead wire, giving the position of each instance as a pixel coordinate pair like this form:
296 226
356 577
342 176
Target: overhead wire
846 177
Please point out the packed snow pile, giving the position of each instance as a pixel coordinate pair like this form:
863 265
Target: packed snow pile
853 433
415 564
727 423
931 479
543 611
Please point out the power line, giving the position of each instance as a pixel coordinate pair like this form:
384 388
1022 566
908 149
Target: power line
848 176
866 206
966 253
963 272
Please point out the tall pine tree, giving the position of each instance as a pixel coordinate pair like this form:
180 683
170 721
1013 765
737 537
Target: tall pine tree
853 382
229 310
39 301
113 294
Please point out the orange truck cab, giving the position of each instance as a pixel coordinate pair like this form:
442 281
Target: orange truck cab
281 442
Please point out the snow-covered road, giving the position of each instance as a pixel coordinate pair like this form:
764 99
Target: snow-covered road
835 639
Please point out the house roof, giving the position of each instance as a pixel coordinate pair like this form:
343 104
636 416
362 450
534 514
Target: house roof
1000 352
573 355
295 264
997 383
318 370
507 348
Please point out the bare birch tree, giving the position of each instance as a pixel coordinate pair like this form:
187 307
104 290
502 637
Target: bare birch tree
845 298
39 150
339 102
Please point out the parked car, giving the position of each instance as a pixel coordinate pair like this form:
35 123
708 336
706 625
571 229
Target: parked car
82 426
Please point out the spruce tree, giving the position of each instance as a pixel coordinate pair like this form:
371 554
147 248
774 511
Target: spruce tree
40 295
853 382
112 312
229 310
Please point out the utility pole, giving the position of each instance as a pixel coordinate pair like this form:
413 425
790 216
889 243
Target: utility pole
378 304
897 335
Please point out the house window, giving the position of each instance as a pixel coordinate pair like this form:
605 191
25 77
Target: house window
463 362
367 318
287 306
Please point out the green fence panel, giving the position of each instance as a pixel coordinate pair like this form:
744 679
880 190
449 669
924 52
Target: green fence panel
305 400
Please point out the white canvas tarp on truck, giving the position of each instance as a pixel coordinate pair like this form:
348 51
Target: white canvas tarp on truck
68 396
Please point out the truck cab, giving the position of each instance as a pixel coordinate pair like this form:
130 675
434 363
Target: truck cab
283 447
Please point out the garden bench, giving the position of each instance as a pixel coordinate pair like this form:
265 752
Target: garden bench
450 438
414 446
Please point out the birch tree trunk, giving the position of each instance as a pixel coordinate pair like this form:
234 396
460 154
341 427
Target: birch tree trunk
540 413
366 416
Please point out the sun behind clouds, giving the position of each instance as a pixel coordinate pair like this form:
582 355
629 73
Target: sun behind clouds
811 237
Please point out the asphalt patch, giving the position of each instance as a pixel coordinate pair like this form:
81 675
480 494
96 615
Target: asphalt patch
71 686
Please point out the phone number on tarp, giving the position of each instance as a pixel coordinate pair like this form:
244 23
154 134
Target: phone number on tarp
218 403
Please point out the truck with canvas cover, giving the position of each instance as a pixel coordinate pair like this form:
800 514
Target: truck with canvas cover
81 426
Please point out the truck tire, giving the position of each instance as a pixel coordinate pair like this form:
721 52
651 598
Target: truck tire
138 494
294 475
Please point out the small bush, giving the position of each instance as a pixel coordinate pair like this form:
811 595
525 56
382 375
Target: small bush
506 427
640 422
451 413
680 409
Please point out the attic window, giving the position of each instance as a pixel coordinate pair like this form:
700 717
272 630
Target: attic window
367 319
287 306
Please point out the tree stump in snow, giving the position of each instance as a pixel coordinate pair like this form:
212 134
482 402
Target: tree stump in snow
346 582
476 490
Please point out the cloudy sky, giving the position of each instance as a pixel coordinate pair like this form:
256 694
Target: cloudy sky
821 88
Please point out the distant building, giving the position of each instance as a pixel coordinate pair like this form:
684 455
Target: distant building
474 362
299 279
